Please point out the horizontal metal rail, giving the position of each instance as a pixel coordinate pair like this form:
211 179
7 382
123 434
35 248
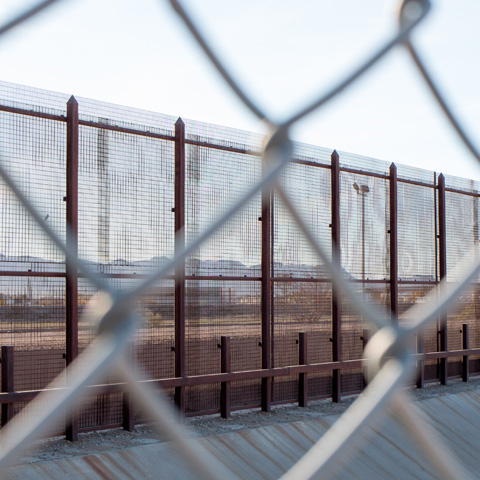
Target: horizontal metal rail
212 378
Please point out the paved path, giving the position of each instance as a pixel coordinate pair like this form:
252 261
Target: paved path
267 452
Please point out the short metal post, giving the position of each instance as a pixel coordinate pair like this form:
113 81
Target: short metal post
365 338
420 363
128 410
302 378
7 382
465 369
225 368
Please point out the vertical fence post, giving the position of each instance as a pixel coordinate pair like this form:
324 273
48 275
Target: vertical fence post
266 298
442 243
7 382
336 298
465 346
302 360
365 338
272 289
180 269
393 245
420 363
225 367
71 283
128 409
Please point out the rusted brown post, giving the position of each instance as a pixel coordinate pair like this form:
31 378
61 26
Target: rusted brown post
393 245
128 409
336 299
365 338
7 382
420 363
266 298
302 360
71 284
465 344
442 247
225 368
180 269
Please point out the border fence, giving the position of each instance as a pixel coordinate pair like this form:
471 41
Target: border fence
129 187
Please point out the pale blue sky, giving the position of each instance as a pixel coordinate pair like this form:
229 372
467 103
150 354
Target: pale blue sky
137 53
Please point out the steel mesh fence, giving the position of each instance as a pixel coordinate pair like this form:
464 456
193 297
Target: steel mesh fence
125 209
125 213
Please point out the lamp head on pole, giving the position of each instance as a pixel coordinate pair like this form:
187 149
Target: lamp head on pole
362 189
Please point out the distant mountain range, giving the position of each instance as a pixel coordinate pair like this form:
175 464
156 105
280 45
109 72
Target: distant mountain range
38 286
194 266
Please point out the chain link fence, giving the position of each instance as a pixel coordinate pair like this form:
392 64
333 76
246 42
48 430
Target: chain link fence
387 355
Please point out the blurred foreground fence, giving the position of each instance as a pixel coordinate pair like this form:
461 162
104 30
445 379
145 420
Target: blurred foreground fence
252 302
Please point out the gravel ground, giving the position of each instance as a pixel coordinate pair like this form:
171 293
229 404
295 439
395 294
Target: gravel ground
118 439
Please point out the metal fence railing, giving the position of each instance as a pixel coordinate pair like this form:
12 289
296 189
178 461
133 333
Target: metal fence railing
112 309
389 241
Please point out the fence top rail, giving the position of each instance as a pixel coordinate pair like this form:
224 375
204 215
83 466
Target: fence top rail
32 113
246 150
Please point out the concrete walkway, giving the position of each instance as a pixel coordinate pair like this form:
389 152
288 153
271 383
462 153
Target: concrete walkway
267 452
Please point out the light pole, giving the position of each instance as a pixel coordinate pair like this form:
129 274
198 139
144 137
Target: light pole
362 190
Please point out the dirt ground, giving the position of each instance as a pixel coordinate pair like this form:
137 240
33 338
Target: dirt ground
118 439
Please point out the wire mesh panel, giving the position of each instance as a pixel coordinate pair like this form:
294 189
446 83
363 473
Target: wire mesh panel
244 329
362 163
462 218
302 298
126 230
302 306
155 336
34 154
98 410
214 180
246 354
462 233
34 323
32 320
310 191
418 252
351 343
32 99
122 118
32 296
417 230
126 197
410 294
364 220
217 308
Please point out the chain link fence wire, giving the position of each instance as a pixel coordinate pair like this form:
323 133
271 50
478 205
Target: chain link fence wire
387 354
